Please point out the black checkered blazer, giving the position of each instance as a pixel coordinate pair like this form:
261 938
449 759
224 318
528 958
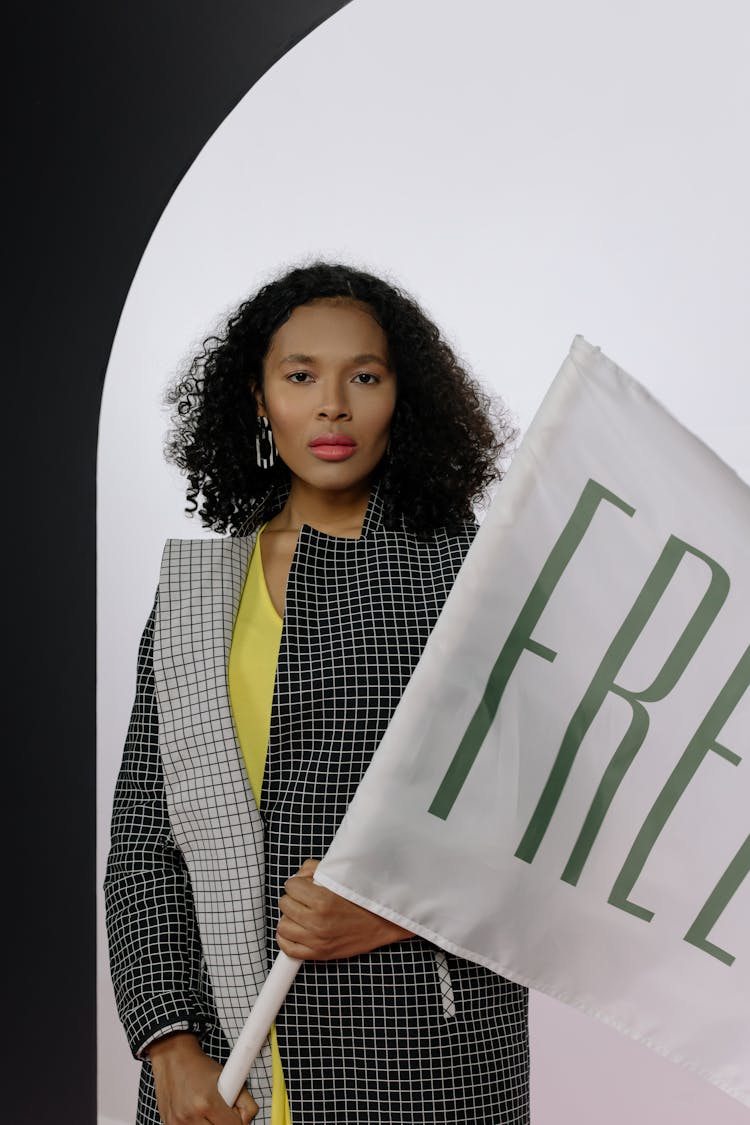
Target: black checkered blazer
403 1035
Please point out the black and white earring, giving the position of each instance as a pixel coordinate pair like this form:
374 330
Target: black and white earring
265 450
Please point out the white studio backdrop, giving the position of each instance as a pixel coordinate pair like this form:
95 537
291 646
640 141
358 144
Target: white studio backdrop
527 173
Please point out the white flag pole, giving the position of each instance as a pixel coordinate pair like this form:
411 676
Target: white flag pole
258 1024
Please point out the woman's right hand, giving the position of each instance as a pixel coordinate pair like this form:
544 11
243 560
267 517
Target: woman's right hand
185 1080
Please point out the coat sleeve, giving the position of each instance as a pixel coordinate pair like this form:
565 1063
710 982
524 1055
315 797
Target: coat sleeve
154 945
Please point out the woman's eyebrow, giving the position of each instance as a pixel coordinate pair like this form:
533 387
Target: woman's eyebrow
369 358
297 357
366 357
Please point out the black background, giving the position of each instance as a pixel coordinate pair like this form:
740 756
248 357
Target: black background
108 105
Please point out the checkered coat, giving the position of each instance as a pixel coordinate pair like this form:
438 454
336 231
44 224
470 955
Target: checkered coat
403 1035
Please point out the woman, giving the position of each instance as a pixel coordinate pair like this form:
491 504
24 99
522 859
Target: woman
334 435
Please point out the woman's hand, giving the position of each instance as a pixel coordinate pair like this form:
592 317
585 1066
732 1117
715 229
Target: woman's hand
185 1080
318 925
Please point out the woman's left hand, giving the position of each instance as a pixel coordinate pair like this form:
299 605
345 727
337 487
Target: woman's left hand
318 925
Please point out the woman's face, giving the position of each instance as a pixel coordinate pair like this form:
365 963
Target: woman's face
326 375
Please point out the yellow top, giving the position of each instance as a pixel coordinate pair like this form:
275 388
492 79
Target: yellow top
252 674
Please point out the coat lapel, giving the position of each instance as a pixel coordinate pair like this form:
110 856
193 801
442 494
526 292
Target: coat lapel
214 817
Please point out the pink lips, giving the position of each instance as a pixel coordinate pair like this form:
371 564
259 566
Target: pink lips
333 447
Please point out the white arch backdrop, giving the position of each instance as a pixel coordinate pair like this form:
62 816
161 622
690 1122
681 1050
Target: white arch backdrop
526 171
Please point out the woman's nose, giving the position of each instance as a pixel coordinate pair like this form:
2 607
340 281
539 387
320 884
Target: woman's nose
333 403
334 412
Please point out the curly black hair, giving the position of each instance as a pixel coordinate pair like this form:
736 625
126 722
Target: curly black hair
448 436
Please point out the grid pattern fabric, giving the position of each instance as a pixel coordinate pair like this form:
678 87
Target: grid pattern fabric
158 970
213 813
406 1034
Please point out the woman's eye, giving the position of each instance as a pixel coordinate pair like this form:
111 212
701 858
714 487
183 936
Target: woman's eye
299 376
368 376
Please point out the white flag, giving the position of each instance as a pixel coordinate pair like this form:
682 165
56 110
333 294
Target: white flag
563 793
